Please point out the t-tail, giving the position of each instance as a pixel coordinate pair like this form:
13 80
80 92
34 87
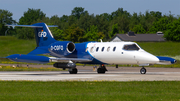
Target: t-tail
43 35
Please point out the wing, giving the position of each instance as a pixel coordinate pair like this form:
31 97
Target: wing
79 60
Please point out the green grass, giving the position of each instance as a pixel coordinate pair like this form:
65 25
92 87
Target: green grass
161 48
90 91
11 45
11 68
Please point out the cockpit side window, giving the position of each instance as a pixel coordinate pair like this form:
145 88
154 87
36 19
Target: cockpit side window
131 47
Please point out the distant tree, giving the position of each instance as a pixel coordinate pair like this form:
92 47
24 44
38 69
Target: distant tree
157 14
55 20
138 29
86 21
72 20
93 35
82 26
134 21
114 30
30 17
160 25
107 16
122 18
120 12
77 11
57 33
64 22
173 31
103 25
64 18
74 34
5 18
25 33
45 20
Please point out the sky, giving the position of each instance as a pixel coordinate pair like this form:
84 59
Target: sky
64 7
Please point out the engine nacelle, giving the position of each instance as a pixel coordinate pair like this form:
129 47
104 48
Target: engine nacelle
63 48
64 65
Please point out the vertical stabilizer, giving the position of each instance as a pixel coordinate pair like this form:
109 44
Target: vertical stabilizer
43 35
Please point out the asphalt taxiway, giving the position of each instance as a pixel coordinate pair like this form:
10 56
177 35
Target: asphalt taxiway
88 74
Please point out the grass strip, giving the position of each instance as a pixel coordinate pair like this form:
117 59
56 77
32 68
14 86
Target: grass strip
89 90
10 68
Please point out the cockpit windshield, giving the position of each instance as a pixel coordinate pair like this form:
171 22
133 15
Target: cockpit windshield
131 47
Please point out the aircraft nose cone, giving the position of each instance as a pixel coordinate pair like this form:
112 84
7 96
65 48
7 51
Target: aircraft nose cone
152 58
146 58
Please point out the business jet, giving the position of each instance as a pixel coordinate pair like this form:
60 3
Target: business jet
65 54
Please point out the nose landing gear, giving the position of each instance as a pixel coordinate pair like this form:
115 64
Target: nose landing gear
143 70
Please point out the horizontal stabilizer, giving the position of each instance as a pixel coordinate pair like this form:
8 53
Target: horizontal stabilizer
43 35
28 58
32 26
39 50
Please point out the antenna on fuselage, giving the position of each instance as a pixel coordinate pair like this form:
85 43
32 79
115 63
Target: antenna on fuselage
101 40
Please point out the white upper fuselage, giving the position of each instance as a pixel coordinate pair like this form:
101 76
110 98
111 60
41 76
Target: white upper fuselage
120 53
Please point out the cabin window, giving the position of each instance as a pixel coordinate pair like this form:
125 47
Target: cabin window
114 49
102 49
97 49
108 49
86 49
131 47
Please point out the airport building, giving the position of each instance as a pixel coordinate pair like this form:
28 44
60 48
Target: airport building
131 36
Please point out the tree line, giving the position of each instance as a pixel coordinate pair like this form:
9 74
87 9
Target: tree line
81 26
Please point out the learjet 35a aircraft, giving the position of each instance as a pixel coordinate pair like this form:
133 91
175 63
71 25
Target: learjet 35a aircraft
65 54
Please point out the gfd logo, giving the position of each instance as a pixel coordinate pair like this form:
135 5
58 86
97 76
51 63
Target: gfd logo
57 47
42 34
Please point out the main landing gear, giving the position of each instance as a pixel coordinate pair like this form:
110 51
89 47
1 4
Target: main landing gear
143 70
73 70
102 69
71 66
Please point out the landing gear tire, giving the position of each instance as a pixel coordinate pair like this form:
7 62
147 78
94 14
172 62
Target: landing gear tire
143 70
73 71
101 70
